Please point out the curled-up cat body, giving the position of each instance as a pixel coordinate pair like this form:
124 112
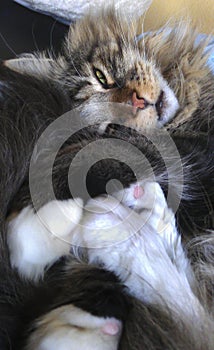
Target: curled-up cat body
100 51
160 80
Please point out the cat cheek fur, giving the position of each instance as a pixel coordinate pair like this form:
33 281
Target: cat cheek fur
121 64
192 82
90 41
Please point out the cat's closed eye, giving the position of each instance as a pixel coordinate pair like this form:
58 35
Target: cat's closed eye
103 62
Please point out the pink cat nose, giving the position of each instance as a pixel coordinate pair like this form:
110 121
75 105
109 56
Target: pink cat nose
139 102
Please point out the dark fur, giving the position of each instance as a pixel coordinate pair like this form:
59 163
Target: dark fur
21 302
27 106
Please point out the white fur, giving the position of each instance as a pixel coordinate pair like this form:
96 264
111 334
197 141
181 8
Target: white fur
36 240
142 246
147 253
70 328
171 103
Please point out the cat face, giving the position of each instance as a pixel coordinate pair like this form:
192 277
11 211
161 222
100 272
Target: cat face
103 63
107 65
161 79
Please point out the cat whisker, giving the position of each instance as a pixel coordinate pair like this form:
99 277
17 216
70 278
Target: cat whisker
7 44
34 37
75 68
51 35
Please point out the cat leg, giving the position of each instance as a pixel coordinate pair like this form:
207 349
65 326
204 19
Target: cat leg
150 259
155 211
37 240
145 198
163 221
144 265
69 327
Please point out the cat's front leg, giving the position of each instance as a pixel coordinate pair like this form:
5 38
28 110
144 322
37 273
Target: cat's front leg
146 255
155 210
38 239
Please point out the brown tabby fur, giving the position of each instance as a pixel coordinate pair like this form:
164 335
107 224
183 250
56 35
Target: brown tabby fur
184 65
174 52
108 41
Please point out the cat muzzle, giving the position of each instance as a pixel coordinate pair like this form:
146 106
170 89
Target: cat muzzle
141 103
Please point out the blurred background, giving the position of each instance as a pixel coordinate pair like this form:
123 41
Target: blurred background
201 12
23 30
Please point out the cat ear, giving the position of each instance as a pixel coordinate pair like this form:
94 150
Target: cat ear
30 65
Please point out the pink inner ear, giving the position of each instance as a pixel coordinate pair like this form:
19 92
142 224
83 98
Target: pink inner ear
138 192
111 327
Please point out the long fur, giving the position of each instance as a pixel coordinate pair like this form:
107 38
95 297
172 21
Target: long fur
28 103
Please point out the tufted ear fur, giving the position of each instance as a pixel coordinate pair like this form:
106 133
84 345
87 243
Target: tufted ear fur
30 65
117 22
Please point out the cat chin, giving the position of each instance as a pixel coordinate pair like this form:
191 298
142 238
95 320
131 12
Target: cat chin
171 106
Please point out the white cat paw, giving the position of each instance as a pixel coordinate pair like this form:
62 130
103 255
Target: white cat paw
61 217
37 240
147 198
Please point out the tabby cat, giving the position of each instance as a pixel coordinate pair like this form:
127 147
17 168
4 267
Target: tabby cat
164 82
162 75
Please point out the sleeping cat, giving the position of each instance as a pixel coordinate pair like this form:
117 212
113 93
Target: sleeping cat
48 87
162 78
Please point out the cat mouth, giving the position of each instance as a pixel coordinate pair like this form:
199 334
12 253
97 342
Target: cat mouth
140 104
137 111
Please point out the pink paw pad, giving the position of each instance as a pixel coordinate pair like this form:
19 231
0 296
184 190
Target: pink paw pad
112 327
138 192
